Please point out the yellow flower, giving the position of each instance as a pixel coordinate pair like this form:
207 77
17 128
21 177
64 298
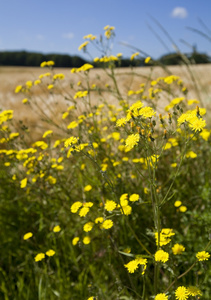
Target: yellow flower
47 133
183 208
126 210
70 141
146 190
50 86
134 55
36 82
131 141
203 255
23 183
88 226
165 235
85 67
193 101
178 249
75 206
50 252
205 134
197 124
134 197
27 235
50 63
56 228
72 125
161 255
161 296
107 224
177 203
110 205
147 59
191 154
51 179
87 188
75 241
132 266
18 89
121 122
181 293
194 291
25 100
83 211
123 199
99 220
39 256
86 240
83 46
147 112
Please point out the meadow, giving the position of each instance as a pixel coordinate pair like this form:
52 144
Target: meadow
105 180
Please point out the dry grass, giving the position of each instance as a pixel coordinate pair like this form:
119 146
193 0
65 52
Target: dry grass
54 104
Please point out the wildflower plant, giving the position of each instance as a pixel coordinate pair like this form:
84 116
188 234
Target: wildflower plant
112 199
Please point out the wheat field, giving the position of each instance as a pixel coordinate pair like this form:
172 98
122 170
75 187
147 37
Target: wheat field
197 79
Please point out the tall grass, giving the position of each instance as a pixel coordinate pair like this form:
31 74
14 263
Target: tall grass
113 202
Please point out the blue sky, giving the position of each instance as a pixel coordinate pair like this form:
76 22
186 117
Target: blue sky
59 26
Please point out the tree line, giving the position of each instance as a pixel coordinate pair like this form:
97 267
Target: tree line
33 59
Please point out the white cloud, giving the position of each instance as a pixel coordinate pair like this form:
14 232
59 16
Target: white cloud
40 37
69 35
179 12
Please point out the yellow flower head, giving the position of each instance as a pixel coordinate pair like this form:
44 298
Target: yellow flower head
86 240
131 141
181 293
203 255
177 203
50 252
178 249
99 220
107 224
87 188
110 205
134 55
83 46
88 226
134 197
75 206
165 236
183 208
161 296
56 228
132 266
75 241
23 183
194 291
147 59
47 133
39 257
83 211
161 255
27 235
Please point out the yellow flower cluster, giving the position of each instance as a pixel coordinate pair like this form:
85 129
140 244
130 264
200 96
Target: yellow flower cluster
133 265
109 31
165 236
83 68
49 63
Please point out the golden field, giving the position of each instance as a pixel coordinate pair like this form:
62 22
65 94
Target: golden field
197 79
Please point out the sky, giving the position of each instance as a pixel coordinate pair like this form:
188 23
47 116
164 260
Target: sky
58 26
